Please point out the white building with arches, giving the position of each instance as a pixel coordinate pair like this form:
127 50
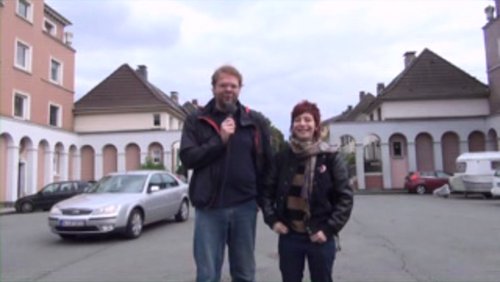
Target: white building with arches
429 114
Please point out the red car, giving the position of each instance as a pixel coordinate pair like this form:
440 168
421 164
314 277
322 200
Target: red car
422 182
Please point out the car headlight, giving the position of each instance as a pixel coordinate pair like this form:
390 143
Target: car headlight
55 210
111 209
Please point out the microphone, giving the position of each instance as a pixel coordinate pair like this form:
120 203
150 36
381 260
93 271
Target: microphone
230 108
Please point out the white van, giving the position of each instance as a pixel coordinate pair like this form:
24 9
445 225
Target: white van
475 172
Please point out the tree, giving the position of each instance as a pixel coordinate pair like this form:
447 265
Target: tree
276 137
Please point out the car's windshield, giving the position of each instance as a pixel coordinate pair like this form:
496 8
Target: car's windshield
120 184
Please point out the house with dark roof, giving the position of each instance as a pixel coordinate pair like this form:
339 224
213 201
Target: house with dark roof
125 121
423 119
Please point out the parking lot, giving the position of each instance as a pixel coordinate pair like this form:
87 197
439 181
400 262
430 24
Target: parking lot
394 237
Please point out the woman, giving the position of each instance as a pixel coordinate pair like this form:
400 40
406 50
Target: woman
307 199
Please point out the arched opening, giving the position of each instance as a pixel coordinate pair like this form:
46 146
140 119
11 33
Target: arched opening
399 159
25 170
424 146
372 156
110 159
348 148
87 154
132 157
477 142
450 147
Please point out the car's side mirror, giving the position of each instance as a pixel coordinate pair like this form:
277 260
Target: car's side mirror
154 188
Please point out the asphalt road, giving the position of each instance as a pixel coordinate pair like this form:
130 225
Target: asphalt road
389 238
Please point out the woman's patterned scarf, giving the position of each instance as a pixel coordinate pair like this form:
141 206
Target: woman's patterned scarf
308 150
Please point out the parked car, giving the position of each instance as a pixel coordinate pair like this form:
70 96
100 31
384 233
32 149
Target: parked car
495 191
51 194
122 203
422 182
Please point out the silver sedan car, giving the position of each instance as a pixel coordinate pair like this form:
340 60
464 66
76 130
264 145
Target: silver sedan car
122 203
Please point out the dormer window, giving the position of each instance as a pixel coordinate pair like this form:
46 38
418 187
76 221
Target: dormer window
49 27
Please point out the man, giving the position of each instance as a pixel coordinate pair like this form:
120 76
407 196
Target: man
227 146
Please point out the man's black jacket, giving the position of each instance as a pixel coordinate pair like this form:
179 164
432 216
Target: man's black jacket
203 151
331 199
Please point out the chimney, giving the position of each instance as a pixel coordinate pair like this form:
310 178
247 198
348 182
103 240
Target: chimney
380 88
174 95
142 71
194 102
490 13
409 57
361 95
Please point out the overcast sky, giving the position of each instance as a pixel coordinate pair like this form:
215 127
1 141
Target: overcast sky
323 51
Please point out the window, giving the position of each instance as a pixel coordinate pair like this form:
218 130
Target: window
379 114
54 115
55 71
25 9
461 166
156 120
23 56
156 180
169 180
495 165
156 156
49 27
396 149
21 109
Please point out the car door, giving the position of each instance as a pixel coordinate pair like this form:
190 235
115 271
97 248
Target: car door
173 195
155 200
48 196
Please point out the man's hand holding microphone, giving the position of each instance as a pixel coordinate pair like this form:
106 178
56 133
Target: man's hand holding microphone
228 125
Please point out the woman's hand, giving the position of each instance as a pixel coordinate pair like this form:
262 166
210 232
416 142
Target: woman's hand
280 228
318 237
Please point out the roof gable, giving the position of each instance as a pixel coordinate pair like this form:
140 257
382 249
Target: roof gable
430 76
125 90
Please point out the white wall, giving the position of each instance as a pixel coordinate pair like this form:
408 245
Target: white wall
122 122
435 108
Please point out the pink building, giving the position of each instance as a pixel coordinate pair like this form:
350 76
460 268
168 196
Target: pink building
37 79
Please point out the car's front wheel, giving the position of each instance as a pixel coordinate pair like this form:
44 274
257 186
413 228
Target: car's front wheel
27 207
183 213
421 189
134 224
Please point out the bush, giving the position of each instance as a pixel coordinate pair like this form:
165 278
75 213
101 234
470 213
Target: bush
149 164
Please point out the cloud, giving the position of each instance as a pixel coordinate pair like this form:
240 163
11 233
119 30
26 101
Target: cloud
324 51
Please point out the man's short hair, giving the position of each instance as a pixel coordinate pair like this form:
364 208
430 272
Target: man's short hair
226 69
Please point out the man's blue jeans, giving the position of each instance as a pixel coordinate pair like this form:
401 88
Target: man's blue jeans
213 229
294 248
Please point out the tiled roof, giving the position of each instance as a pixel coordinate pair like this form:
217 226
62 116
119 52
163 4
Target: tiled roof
430 76
125 91
353 114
